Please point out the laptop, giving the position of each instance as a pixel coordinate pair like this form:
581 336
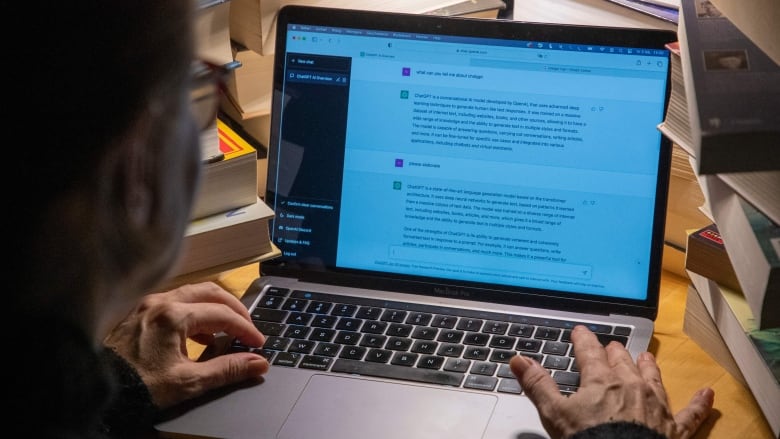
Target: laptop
449 193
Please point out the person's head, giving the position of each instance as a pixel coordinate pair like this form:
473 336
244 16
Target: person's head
107 173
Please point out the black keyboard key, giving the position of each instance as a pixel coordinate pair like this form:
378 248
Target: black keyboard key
327 349
424 333
373 341
605 339
450 336
295 304
276 291
276 343
527 345
404 359
344 310
394 315
369 313
322 334
480 382
502 356
476 339
476 353
287 359
555 348
467 324
457 365
484 368
567 378
295 331
509 385
317 307
324 321
301 346
379 355
502 342
374 327
543 333
269 315
349 324
424 347
268 328
272 302
443 321
419 318
521 330
556 362
399 343
451 350
399 330
347 337
315 362
398 372
622 330
505 372
430 362
493 327
299 318
353 352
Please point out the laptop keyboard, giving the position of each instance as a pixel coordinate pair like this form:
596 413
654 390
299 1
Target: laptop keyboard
414 342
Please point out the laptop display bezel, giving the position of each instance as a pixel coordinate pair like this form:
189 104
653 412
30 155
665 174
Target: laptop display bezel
542 298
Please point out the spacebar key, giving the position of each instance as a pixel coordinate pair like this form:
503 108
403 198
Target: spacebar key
398 372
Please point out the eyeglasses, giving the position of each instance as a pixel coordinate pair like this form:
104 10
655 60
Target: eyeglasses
208 80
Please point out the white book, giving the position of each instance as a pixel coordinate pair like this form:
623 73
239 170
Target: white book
752 241
227 239
756 352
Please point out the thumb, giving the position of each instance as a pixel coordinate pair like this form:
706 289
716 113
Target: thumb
536 382
227 369
690 418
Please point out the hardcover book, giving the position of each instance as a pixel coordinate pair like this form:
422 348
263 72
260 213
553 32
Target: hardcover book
733 93
752 241
707 256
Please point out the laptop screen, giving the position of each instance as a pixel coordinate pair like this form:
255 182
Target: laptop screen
496 155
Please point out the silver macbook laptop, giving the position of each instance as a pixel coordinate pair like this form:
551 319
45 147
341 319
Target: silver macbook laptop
448 193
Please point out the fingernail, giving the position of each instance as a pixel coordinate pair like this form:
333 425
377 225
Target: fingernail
646 356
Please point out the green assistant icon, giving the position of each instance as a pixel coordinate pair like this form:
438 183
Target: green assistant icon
404 94
397 185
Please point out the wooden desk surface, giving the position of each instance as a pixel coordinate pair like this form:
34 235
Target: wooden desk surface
685 367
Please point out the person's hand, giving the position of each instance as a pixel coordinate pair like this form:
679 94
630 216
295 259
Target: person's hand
612 388
153 338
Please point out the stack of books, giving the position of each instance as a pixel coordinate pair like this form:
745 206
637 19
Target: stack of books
725 113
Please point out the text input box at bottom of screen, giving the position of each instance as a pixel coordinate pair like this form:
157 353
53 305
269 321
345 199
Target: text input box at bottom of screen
489 263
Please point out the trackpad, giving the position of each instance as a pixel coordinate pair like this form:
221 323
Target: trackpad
347 408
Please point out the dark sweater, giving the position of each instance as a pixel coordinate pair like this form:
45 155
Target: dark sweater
61 388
